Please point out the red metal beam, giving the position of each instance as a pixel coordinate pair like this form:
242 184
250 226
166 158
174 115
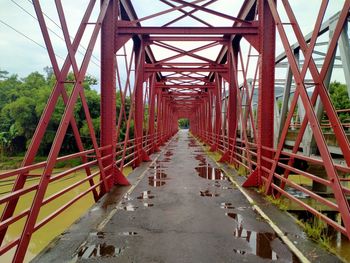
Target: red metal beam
266 86
180 86
178 69
238 30
150 39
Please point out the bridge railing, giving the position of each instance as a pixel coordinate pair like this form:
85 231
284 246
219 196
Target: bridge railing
7 200
91 182
300 179
326 124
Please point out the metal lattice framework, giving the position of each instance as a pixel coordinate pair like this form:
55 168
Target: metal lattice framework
189 84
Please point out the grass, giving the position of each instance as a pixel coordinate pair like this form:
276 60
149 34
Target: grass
262 189
279 202
14 162
316 230
127 170
10 163
242 171
214 155
299 179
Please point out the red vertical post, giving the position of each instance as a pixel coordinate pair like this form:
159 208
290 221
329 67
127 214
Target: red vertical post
163 119
267 38
209 128
266 84
209 118
204 121
168 118
200 120
232 56
139 107
108 86
217 123
159 118
108 93
151 119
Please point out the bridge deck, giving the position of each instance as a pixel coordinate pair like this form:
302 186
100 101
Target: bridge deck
181 208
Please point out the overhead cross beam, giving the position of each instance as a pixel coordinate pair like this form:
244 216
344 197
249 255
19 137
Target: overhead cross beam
127 29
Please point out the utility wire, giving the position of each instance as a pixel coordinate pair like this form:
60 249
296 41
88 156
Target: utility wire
29 38
37 43
52 31
55 23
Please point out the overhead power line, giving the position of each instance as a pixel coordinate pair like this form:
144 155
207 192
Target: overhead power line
26 36
56 24
52 31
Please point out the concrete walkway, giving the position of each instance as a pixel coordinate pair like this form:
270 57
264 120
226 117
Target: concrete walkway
182 209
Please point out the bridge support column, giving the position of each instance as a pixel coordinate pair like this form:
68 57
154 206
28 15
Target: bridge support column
266 93
217 123
232 57
139 114
108 95
151 120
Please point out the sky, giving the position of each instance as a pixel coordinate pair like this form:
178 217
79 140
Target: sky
21 55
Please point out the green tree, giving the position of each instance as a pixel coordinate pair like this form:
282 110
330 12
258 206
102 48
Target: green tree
3 144
340 99
3 74
23 100
184 123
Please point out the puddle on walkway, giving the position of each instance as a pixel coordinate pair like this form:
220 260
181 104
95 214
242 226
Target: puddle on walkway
157 178
210 173
127 197
168 153
128 234
201 158
156 183
192 143
145 195
99 234
218 185
165 160
99 251
226 206
207 193
158 166
158 175
129 207
199 151
261 243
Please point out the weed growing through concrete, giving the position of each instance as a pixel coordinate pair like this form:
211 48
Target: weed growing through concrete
279 202
316 230
242 171
262 189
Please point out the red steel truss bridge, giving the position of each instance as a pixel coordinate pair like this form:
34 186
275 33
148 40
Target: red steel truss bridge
265 113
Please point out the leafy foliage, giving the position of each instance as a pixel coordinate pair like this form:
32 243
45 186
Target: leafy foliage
184 123
340 98
22 102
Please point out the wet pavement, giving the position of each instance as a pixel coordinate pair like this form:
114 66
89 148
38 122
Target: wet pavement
183 209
